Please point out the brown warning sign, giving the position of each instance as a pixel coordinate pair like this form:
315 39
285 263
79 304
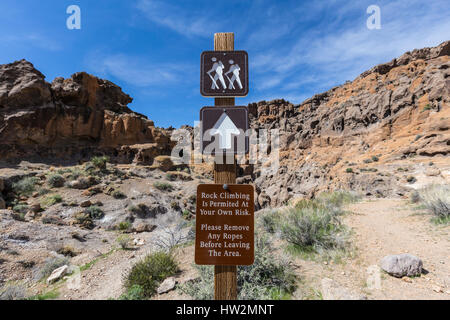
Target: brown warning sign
224 225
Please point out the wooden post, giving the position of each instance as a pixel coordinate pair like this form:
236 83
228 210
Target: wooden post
225 277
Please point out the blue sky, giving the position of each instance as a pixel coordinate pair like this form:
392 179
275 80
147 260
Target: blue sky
152 48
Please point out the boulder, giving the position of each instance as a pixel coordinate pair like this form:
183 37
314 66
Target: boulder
85 204
163 163
167 285
144 227
57 274
402 265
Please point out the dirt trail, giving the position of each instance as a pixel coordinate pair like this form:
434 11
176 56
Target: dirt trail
379 227
386 227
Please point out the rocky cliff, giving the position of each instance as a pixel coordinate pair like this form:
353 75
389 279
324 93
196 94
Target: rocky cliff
382 134
71 119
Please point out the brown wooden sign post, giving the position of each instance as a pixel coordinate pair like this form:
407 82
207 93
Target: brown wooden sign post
225 277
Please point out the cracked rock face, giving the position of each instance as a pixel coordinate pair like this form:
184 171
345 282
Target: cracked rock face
71 118
394 112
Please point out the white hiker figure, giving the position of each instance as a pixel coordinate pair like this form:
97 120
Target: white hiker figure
218 67
235 70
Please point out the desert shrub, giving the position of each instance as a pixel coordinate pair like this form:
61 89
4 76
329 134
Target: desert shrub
124 226
163 186
436 199
270 221
171 176
337 198
51 200
100 162
55 180
367 161
375 158
140 210
75 173
313 230
172 237
150 272
267 276
84 220
67 251
50 265
12 292
124 241
136 292
21 208
175 206
117 194
26 186
349 170
95 212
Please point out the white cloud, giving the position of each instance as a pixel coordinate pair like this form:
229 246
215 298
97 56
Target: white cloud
136 70
177 18
32 39
341 52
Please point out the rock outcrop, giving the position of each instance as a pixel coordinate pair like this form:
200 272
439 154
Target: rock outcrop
71 119
355 135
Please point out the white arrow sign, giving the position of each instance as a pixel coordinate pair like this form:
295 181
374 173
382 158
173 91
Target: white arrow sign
225 128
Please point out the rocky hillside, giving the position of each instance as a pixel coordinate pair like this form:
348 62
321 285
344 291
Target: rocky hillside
71 119
382 134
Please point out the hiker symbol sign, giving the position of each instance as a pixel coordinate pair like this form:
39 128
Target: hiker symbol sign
224 74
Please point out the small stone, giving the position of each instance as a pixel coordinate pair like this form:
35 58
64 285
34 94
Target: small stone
167 285
85 204
57 274
438 289
407 279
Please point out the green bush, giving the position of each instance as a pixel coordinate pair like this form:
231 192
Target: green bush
267 278
117 194
55 180
436 199
84 220
375 159
136 292
21 208
150 272
51 200
124 226
313 230
171 177
95 212
100 162
26 186
163 186
124 241
349 170
270 221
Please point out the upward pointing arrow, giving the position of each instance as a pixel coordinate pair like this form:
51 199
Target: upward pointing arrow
225 129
